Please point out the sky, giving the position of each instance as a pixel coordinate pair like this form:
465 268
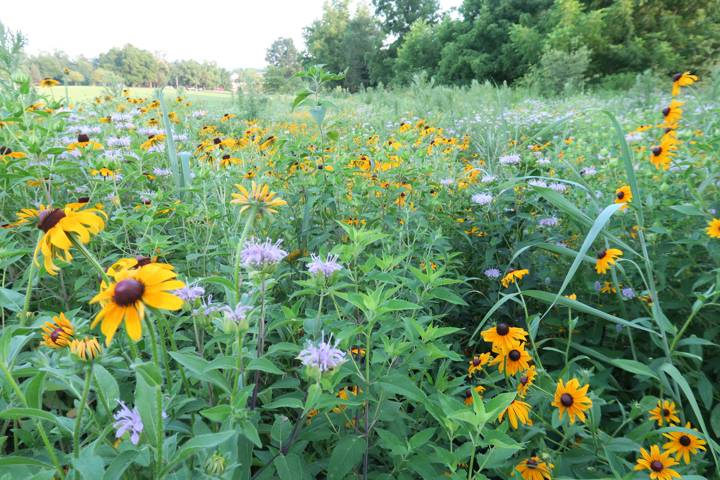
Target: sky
232 33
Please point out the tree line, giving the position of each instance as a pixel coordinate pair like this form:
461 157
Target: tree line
554 44
129 66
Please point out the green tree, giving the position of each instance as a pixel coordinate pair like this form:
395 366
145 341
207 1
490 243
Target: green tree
137 67
398 16
283 63
419 52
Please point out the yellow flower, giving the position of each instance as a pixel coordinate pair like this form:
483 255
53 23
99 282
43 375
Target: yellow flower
526 380
344 394
133 289
512 276
227 117
661 155
58 333
259 196
49 82
657 463
87 349
713 228
606 258
479 389
6 153
503 336
152 141
517 411
58 224
572 399
623 195
684 79
478 362
672 114
513 360
534 469
683 444
665 413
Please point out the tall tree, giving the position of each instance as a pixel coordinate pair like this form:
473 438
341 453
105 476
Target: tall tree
283 62
398 15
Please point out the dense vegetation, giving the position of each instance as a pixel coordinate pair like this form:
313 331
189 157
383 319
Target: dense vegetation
426 282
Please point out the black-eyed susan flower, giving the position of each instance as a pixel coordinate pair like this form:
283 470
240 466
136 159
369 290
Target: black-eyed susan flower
503 336
227 117
684 79
526 380
59 224
478 362
152 141
713 228
665 413
683 444
84 143
7 153
133 289
623 195
58 333
606 258
534 468
86 349
479 389
344 394
661 155
517 412
572 399
658 464
512 360
513 276
49 82
259 197
672 114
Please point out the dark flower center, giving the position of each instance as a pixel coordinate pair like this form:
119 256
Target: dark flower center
666 111
531 463
684 441
47 219
226 157
502 329
514 355
83 200
602 254
217 140
468 393
128 292
476 361
524 379
83 137
657 151
56 334
666 412
566 399
620 195
677 77
656 466
5 150
142 261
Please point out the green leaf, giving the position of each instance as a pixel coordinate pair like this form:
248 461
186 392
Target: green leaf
401 385
11 300
300 98
107 385
20 413
218 413
119 464
264 365
285 402
90 465
18 460
197 443
200 369
347 453
290 467
448 295
635 367
34 390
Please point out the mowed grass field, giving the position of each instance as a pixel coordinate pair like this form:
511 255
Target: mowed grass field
82 93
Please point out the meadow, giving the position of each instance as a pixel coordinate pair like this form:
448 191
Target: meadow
427 282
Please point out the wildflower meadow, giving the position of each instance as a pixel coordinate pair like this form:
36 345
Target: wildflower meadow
422 282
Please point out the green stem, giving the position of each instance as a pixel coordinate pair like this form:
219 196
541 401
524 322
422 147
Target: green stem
682 330
239 377
90 257
28 290
81 408
536 354
246 229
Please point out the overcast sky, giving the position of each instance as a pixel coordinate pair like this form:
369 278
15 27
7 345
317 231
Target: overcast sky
233 33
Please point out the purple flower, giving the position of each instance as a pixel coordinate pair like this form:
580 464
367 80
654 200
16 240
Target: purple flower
598 285
161 172
324 267
236 314
510 159
535 182
257 254
588 171
628 293
190 292
447 181
481 198
118 141
558 187
488 178
548 222
492 273
323 356
127 420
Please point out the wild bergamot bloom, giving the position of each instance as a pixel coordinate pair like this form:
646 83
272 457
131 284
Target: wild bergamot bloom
58 333
657 463
526 380
58 224
684 79
683 444
512 276
513 360
665 413
517 412
623 195
87 349
534 469
479 389
133 289
503 336
478 362
606 258
713 228
259 196
572 399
